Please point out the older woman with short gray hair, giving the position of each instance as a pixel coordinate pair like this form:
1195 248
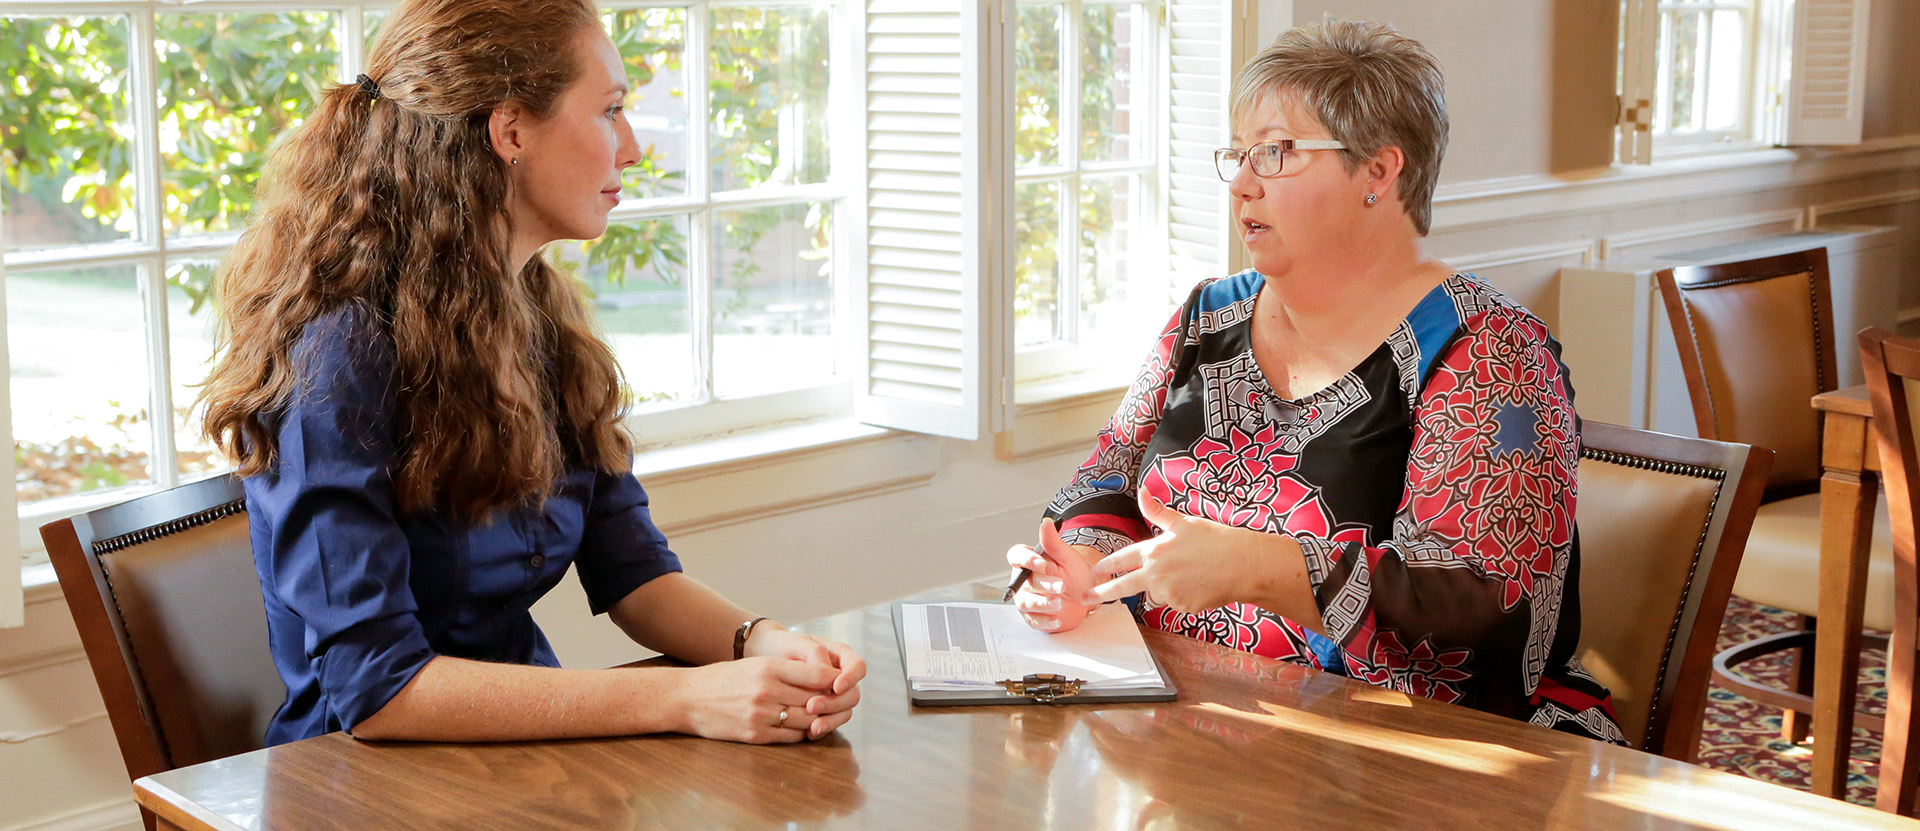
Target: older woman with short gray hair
1350 456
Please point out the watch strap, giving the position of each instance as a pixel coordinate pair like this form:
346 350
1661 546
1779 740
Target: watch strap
740 636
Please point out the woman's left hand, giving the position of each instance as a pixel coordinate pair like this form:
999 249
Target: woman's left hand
1194 563
833 706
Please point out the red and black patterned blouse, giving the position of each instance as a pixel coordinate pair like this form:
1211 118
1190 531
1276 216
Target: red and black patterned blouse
1432 489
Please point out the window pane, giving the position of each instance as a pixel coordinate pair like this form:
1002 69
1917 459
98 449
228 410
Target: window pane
190 337
1036 94
637 277
653 43
1726 69
768 81
78 381
230 84
772 299
1106 229
370 23
1036 262
65 131
1107 45
1682 52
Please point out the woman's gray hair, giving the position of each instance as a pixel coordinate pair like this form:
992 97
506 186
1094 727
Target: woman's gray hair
1371 86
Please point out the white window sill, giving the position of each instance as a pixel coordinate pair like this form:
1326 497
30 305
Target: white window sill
750 475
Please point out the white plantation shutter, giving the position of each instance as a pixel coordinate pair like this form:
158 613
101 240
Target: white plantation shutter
931 216
1639 47
1826 91
1205 46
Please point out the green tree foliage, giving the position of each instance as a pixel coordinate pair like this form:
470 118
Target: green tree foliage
1039 135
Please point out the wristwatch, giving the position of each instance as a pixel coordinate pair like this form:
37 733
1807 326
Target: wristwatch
740 636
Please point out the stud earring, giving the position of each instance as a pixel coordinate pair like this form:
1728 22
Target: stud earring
516 160
1372 198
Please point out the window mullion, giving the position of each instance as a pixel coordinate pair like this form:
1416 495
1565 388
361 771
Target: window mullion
1068 255
700 276
353 39
143 69
165 469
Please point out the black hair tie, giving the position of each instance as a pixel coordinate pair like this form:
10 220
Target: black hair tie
369 87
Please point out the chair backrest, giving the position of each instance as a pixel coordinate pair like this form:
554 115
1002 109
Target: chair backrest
1892 367
164 593
1663 521
1757 343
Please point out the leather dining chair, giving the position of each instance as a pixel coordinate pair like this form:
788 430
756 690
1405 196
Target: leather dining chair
1892 365
1756 342
163 591
1662 520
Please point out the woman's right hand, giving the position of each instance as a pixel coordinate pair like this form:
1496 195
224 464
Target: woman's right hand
741 701
1062 574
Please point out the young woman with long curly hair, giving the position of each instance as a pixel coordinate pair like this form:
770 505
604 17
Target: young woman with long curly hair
429 429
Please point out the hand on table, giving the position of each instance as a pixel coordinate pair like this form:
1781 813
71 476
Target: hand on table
742 701
832 705
1193 564
1051 600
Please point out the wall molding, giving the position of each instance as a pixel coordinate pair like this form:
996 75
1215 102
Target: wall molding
1587 250
1610 244
1491 203
730 491
1878 200
34 661
112 815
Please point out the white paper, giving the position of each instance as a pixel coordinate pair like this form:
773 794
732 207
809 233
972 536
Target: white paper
961 646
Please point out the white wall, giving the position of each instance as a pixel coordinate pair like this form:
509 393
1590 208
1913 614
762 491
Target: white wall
1525 191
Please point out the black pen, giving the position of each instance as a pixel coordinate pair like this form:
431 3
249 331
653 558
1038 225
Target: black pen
1019 580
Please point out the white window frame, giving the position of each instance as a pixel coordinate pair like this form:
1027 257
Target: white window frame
150 250
1069 355
1803 80
1742 134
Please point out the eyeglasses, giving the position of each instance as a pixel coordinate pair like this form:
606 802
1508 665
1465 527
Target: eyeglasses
1267 157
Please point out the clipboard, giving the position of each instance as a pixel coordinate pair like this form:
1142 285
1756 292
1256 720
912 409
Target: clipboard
1033 689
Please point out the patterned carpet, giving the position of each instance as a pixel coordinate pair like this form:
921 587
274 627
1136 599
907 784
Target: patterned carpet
1744 738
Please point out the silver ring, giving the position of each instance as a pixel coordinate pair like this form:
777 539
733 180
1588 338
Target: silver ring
783 718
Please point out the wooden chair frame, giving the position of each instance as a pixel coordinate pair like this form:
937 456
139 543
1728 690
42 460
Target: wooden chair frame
75 546
1796 704
1888 361
1680 694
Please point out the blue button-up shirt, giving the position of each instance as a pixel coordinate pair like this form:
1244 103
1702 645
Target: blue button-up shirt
359 596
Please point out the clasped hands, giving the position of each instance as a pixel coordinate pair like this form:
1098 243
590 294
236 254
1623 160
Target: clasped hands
787 687
1193 564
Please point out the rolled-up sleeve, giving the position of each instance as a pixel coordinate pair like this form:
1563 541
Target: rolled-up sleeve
621 550
335 555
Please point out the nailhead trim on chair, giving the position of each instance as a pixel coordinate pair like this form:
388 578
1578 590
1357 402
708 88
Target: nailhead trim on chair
1655 465
1699 545
169 527
149 534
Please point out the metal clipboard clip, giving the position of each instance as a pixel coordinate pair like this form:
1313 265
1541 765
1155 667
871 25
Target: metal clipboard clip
1043 687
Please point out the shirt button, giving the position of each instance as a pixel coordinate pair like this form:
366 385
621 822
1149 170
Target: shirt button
536 561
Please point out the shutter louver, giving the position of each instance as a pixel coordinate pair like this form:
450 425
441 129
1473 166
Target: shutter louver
925 211
1204 51
1827 90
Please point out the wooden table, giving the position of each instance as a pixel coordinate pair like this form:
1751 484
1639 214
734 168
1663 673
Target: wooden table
1849 488
1250 743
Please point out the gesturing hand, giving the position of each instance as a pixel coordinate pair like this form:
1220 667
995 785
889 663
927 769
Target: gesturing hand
1193 564
1051 599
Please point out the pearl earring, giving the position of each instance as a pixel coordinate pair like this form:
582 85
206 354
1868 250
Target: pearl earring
516 160
1372 198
